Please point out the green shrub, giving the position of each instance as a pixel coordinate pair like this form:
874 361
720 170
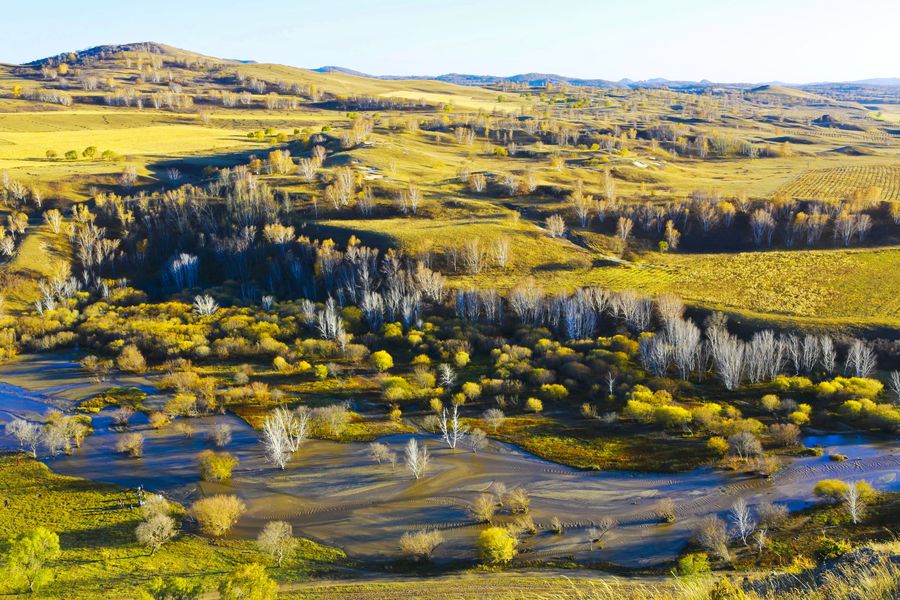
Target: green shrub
695 563
828 548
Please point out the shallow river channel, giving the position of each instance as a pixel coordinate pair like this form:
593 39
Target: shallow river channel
335 493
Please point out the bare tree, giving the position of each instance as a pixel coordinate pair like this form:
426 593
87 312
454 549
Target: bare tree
28 434
283 434
477 440
861 361
712 534
854 503
446 375
452 429
473 256
156 531
623 228
744 445
483 508
895 383
762 224
277 540
221 434
205 305
827 354
761 539
493 417
742 519
329 322
53 218
500 250
727 353
417 458
307 167
420 545
379 452
556 226
478 182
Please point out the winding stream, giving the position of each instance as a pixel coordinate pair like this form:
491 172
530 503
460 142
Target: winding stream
336 494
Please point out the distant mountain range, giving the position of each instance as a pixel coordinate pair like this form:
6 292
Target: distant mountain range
538 79
530 79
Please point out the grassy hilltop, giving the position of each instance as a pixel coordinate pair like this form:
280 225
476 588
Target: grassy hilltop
161 111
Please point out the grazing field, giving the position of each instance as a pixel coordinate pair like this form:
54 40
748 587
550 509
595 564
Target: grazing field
841 182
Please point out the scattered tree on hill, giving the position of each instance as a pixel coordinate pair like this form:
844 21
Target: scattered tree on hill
156 531
28 558
277 540
248 582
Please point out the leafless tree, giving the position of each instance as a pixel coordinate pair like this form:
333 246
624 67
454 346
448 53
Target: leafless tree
895 384
381 453
761 539
447 376
742 519
727 353
28 434
477 440
493 417
307 167
329 321
623 228
417 458
655 354
556 226
861 360
684 338
156 531
827 354
511 183
762 225
500 250
452 429
283 434
205 305
670 309
478 182
712 534
771 516
420 545
221 434
277 540
583 206
53 218
854 503
473 256
744 445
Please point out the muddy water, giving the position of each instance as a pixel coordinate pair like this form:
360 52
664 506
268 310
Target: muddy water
336 494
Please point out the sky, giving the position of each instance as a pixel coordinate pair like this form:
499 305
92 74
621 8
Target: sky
795 41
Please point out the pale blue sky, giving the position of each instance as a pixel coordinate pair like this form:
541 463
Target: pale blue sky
721 40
